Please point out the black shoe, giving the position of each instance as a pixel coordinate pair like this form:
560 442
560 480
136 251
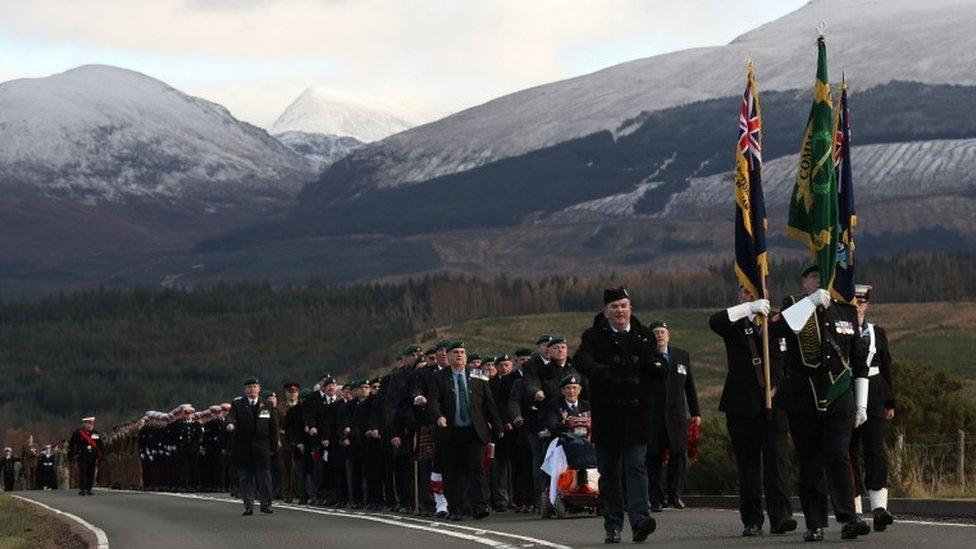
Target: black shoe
442 515
456 517
427 514
499 508
480 514
787 525
813 534
882 518
643 529
303 502
266 510
82 493
356 506
657 508
613 536
854 528
753 530
247 512
676 503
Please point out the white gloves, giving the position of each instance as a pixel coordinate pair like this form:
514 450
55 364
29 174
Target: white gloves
860 401
759 307
742 310
820 298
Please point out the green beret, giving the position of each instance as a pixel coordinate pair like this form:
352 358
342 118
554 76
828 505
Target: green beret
488 359
326 379
809 270
374 381
411 349
268 394
475 356
442 344
523 352
556 340
361 382
571 379
251 379
503 358
456 344
543 339
304 393
659 324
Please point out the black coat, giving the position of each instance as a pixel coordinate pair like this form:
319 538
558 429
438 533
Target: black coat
552 374
557 411
324 417
622 376
881 392
80 449
675 401
484 413
255 436
795 394
743 394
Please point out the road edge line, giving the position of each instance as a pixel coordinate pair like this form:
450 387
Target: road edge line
394 520
101 540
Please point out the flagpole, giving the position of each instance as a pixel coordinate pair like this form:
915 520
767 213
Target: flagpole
765 343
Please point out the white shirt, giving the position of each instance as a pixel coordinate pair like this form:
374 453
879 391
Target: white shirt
252 401
625 330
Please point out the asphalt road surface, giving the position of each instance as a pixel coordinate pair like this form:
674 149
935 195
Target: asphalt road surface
153 520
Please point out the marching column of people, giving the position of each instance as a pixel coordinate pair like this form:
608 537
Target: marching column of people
450 434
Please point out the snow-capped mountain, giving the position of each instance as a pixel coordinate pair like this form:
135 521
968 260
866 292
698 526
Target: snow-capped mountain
339 113
874 41
320 149
119 146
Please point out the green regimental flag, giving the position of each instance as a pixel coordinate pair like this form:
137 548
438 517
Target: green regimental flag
813 208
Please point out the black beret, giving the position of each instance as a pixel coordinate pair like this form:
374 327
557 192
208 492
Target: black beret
615 294
503 358
571 379
810 269
523 352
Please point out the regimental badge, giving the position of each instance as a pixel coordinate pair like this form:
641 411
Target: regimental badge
782 344
749 331
682 369
658 363
94 436
264 414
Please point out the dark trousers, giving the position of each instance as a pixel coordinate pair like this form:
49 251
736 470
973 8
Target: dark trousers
354 477
374 472
340 477
499 480
822 444
677 465
464 474
276 476
869 438
537 452
289 486
402 467
760 448
47 477
86 474
248 478
323 478
521 465
424 469
619 464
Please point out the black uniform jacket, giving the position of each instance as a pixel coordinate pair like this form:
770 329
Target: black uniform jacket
255 436
838 326
484 413
881 390
674 402
622 374
743 393
324 417
558 410
81 450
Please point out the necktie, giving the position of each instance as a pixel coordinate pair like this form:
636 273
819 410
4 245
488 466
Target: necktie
464 407
572 410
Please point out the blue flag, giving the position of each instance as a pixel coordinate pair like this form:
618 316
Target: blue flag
843 285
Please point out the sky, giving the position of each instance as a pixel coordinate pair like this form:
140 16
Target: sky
256 56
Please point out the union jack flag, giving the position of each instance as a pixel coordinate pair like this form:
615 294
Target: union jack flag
751 266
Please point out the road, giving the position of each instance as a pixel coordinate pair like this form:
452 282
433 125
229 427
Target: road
153 520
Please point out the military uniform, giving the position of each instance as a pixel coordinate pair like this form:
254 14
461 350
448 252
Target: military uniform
255 440
47 474
759 441
869 437
86 449
821 359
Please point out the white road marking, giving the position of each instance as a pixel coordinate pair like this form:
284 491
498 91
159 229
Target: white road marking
100 538
476 534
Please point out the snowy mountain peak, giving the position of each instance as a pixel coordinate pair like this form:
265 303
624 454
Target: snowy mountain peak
336 112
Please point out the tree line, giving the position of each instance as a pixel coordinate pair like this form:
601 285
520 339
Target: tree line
118 352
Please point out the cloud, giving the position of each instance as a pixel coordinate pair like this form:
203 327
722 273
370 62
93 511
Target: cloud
444 54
